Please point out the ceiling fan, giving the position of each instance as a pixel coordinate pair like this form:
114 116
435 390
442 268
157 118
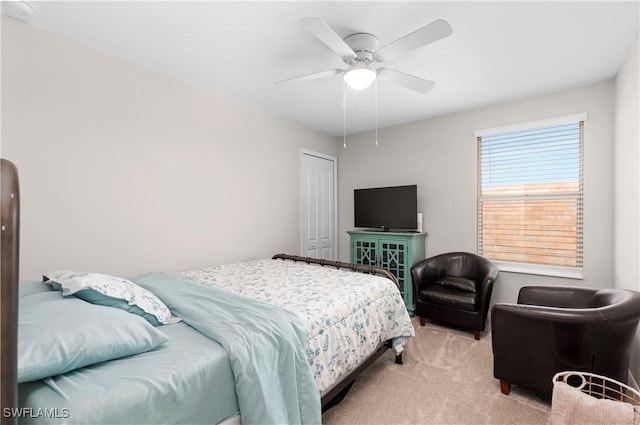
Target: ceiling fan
359 51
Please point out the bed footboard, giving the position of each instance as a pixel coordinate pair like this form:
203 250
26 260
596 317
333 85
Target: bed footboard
340 265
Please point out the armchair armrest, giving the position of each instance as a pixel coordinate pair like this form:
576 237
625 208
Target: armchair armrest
555 296
490 273
519 316
424 272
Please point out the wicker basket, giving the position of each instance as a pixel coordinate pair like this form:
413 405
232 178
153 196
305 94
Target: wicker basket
599 386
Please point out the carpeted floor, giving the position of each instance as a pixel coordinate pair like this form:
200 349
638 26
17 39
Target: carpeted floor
447 378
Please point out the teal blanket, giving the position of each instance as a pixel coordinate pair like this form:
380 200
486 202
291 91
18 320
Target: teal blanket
266 346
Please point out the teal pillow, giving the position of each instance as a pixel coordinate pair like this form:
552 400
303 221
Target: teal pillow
111 291
58 334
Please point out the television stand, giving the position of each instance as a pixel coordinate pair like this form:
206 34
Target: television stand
395 251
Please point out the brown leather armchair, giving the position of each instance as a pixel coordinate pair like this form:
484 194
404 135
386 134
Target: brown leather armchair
454 288
555 329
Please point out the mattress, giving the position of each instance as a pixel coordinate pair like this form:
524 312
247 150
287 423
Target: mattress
186 380
190 379
347 314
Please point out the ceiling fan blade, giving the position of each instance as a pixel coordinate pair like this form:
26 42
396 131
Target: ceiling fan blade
324 33
405 80
309 77
435 31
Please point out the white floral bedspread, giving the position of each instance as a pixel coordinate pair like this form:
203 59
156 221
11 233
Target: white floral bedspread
347 313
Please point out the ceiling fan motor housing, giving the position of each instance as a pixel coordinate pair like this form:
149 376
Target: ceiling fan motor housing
364 46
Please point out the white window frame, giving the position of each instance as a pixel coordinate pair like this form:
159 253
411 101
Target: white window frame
526 268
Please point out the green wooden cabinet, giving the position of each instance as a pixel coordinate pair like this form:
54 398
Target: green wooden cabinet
394 251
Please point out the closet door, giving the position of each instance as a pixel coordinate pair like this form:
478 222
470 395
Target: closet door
318 209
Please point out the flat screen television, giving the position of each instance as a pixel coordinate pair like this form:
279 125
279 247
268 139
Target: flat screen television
386 208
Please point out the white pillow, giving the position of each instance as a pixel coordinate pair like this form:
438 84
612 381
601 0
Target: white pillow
111 291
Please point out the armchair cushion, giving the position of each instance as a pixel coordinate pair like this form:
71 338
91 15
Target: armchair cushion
449 297
459 283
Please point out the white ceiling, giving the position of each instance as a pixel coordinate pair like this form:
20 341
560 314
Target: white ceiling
499 51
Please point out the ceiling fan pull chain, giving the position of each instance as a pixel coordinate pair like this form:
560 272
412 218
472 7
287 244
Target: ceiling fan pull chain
375 97
344 114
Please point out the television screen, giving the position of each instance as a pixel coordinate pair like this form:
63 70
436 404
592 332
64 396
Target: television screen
386 208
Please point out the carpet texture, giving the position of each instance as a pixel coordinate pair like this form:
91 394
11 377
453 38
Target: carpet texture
447 378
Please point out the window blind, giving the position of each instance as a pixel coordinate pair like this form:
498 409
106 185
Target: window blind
530 194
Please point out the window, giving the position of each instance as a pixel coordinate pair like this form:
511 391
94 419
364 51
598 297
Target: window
530 194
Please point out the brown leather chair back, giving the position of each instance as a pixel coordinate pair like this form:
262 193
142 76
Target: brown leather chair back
555 329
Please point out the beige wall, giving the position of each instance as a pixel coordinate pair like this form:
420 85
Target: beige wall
627 183
439 155
124 171
627 174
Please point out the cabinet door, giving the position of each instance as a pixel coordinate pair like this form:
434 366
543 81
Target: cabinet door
392 257
365 252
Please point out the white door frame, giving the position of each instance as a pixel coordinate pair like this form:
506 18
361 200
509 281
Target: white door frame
335 198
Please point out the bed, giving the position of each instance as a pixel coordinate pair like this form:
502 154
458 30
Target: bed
263 341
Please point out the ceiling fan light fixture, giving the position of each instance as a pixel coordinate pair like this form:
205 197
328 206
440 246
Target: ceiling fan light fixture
360 76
